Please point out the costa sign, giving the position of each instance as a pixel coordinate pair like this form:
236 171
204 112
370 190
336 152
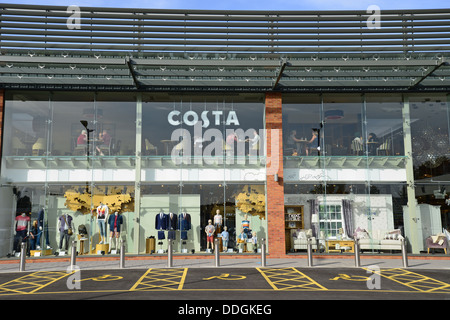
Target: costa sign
191 118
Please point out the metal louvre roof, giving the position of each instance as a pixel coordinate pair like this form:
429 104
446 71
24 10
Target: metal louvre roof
48 47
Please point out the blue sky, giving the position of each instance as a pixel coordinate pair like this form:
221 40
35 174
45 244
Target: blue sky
249 4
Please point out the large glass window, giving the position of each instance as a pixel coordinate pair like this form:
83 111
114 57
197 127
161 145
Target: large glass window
384 130
26 124
342 122
430 137
63 181
202 126
301 114
358 181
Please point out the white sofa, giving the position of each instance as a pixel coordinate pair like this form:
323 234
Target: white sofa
379 239
300 239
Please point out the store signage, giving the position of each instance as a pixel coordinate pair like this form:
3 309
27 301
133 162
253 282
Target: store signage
191 118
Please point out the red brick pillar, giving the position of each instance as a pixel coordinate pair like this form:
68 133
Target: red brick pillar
275 189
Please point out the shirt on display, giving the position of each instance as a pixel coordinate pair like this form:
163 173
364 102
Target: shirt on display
22 222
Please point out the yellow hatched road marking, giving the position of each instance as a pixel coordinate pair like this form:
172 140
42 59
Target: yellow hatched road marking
32 282
288 279
414 280
168 279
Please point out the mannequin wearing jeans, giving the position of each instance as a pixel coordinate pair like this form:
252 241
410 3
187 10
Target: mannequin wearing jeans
41 225
64 223
102 217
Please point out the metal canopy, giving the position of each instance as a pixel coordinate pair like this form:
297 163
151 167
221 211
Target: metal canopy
54 47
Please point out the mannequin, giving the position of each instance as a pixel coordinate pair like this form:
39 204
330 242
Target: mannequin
218 221
254 241
21 229
41 226
209 230
242 239
161 223
245 225
172 224
63 225
184 224
102 217
225 238
115 221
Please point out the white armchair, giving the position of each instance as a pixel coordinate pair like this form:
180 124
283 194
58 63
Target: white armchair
300 239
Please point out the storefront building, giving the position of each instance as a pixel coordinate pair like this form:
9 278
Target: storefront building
288 124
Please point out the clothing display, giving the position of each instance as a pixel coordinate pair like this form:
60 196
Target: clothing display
22 222
42 228
64 223
184 224
161 221
172 224
218 220
209 229
21 228
115 221
245 225
225 238
161 224
102 211
102 215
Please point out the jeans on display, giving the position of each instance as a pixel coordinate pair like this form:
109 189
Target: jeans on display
102 227
18 239
39 235
64 235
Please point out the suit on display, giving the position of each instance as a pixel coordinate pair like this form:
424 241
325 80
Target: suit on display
184 224
161 224
172 225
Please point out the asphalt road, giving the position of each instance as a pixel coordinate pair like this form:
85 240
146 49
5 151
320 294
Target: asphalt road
221 287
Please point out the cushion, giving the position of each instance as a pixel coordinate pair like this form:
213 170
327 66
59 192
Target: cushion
439 238
393 235
304 234
361 234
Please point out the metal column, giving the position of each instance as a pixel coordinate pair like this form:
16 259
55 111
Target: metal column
309 251
73 255
357 254
263 252
137 175
216 252
122 254
23 255
169 254
404 254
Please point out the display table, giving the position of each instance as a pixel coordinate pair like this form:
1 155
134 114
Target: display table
340 246
40 253
102 247
150 245
82 240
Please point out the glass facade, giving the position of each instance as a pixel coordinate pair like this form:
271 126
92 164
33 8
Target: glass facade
355 166
67 153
